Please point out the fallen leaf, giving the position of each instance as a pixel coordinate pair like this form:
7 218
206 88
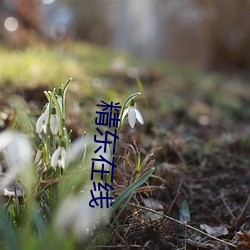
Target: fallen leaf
245 236
155 205
152 204
215 231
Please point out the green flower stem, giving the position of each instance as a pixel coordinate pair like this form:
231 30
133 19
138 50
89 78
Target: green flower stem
61 120
65 87
127 100
66 138
47 137
53 142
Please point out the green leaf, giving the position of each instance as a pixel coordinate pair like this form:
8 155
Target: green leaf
39 222
122 209
128 191
10 236
185 212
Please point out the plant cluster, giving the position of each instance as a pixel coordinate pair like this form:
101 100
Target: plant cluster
46 179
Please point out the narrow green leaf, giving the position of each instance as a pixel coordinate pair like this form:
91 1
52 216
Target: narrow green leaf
122 209
39 222
11 237
128 191
138 163
65 87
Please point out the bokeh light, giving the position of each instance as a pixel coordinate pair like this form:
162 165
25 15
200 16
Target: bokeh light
11 24
48 2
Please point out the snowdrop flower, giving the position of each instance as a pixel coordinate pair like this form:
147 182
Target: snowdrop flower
42 122
59 157
133 114
54 121
17 152
77 217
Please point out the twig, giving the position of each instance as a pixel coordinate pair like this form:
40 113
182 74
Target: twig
227 207
48 185
117 246
184 224
185 242
239 217
175 198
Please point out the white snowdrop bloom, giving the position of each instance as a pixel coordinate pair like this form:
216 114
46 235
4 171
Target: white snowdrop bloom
17 152
42 122
77 217
133 114
59 157
54 121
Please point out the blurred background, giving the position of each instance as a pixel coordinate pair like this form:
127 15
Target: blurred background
193 60
187 53
211 34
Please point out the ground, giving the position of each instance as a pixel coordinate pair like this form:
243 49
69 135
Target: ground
196 125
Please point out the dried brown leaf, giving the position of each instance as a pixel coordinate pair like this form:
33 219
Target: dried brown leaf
245 236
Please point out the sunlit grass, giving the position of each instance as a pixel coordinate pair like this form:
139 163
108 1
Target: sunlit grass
38 65
90 66
41 64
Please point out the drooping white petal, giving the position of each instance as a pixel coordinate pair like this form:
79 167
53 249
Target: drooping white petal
44 127
39 123
132 117
54 124
18 156
42 121
139 116
59 157
19 151
75 216
5 139
124 113
55 156
62 161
